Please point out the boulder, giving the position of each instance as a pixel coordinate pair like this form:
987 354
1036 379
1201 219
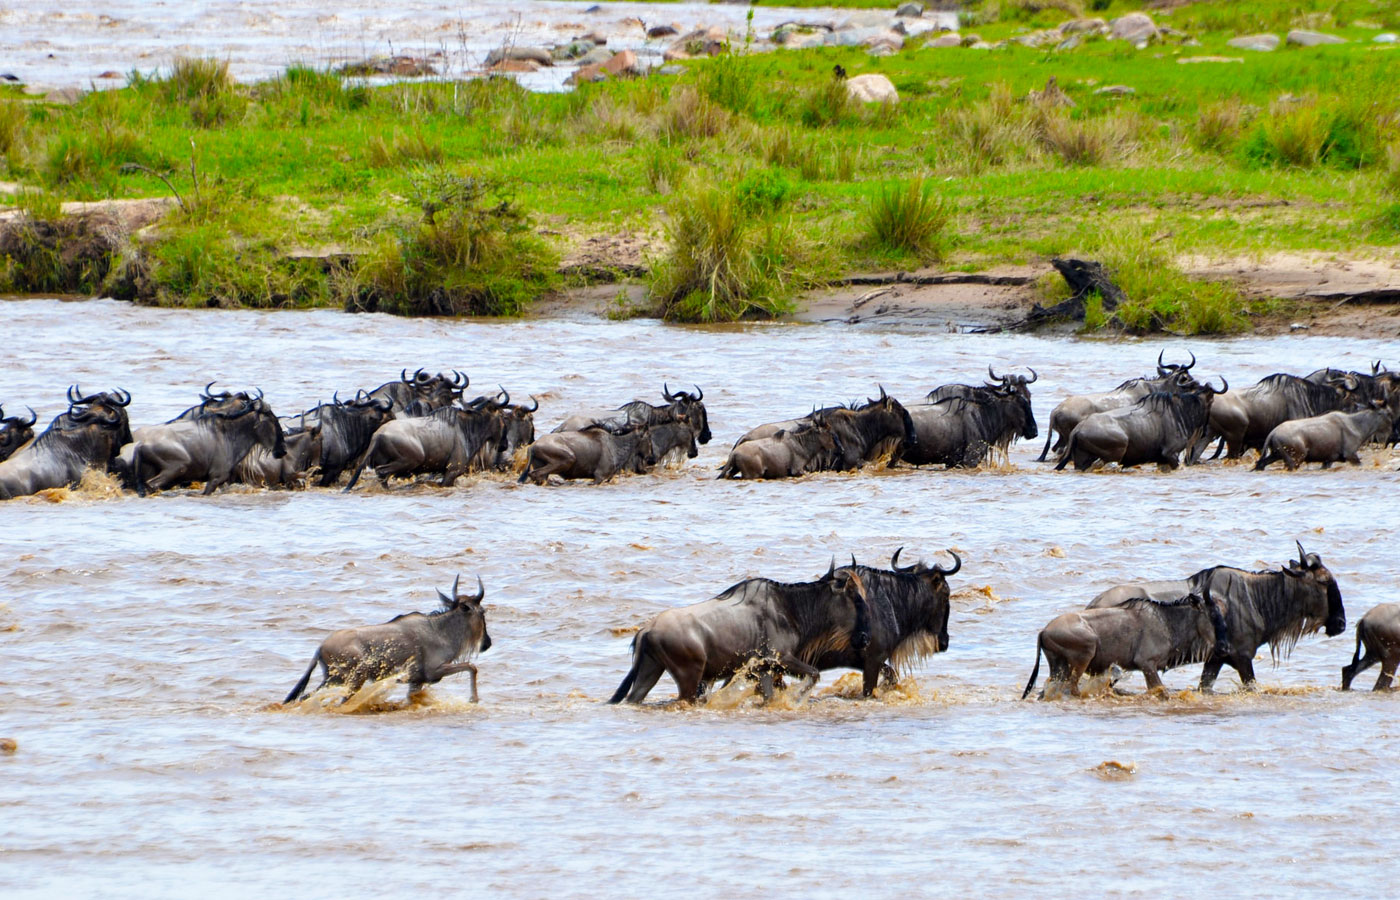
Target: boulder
700 42
597 39
1388 38
912 27
909 11
1188 60
1135 28
587 74
1263 43
623 64
870 18
520 54
660 31
1300 38
671 69
1084 26
872 88
514 66
969 40
571 50
947 39
1116 90
1069 43
596 56
865 37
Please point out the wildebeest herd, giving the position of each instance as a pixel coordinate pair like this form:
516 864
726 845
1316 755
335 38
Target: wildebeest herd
877 621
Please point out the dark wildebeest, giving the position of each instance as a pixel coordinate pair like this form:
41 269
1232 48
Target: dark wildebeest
347 427
261 467
1075 409
671 438
424 647
1274 608
1244 418
1379 633
1328 438
517 430
1150 636
421 394
207 448
681 404
786 454
15 432
959 427
444 441
1380 384
595 452
865 433
794 624
1156 429
907 612
1018 383
87 436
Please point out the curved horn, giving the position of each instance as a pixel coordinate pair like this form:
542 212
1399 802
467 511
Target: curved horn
456 581
420 375
1188 366
853 560
33 416
504 393
123 397
894 563
831 569
535 407
208 392
73 395
666 392
335 398
1034 377
459 380
1225 386
699 394
1161 366
403 376
957 566
992 372
883 395
1302 554
480 591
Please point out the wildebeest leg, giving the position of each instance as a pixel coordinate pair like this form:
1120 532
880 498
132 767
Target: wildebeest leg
1267 459
871 676
649 671
1354 459
1245 667
453 669
1209 672
1387 674
1154 680
216 481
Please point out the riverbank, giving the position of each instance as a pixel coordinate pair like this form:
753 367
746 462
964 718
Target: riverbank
1039 135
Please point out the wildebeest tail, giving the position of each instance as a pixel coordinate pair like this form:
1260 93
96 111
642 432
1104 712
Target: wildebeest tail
621 693
1069 452
300 689
1035 673
1360 637
1049 436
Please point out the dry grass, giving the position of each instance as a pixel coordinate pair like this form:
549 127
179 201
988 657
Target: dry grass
690 115
1101 141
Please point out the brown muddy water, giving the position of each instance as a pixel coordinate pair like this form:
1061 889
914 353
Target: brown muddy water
145 642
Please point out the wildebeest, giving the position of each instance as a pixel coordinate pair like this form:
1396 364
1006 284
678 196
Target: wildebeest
671 438
1073 410
907 614
15 432
795 624
1244 418
444 441
1274 608
422 393
261 467
879 427
517 430
1328 438
595 452
680 404
206 448
787 454
958 427
1379 633
424 647
85 437
1150 636
346 429
1156 429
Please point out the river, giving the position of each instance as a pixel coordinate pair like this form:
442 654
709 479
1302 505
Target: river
145 642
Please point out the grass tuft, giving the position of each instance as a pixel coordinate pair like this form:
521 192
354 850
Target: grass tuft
908 219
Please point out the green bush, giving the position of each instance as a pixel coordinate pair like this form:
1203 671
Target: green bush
827 104
908 218
722 264
1304 134
762 191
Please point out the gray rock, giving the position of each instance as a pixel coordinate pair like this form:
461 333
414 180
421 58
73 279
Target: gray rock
571 50
658 31
970 39
864 37
1300 38
1388 38
520 54
909 11
1116 90
948 39
1070 43
671 69
1263 43
595 56
1135 28
865 19
1083 26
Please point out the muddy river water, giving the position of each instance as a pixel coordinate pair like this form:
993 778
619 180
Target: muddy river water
143 643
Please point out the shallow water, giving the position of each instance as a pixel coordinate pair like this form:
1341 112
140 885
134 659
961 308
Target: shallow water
144 642
54 44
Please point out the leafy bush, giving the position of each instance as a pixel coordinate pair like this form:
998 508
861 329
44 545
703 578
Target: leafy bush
722 264
1305 134
762 191
908 218
12 126
400 149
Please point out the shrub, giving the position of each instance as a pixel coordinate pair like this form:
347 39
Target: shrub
56 254
206 88
471 253
762 191
1218 125
690 114
724 81
1392 169
1304 134
908 218
1086 141
721 264
992 133
12 127
829 103
1159 295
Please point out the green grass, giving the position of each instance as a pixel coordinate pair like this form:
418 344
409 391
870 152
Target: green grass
1290 150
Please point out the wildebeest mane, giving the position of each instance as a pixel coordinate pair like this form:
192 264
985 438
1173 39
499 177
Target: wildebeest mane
1304 398
1266 596
903 594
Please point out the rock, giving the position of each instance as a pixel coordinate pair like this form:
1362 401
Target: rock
1135 28
909 11
801 41
515 66
571 50
700 42
969 40
595 38
659 31
110 73
872 88
1188 60
982 45
1388 37
8 745
402 66
865 37
64 96
1263 43
520 54
913 27
624 63
948 39
1300 38
587 74
870 18
1084 26
9 76
1069 43
596 56
1038 38
1053 95
671 70
595 8
1116 90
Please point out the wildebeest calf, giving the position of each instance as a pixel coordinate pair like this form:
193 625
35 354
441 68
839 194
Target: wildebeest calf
1379 632
424 646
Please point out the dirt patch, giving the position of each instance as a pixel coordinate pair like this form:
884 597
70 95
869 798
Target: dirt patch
949 301
609 257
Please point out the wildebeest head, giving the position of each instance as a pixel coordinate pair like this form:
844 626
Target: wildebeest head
937 579
1167 370
520 426
267 428
15 432
689 405
1022 400
847 585
478 640
1018 383
895 414
1309 566
107 408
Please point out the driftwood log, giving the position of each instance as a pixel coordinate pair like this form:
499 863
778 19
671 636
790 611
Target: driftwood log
1084 277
